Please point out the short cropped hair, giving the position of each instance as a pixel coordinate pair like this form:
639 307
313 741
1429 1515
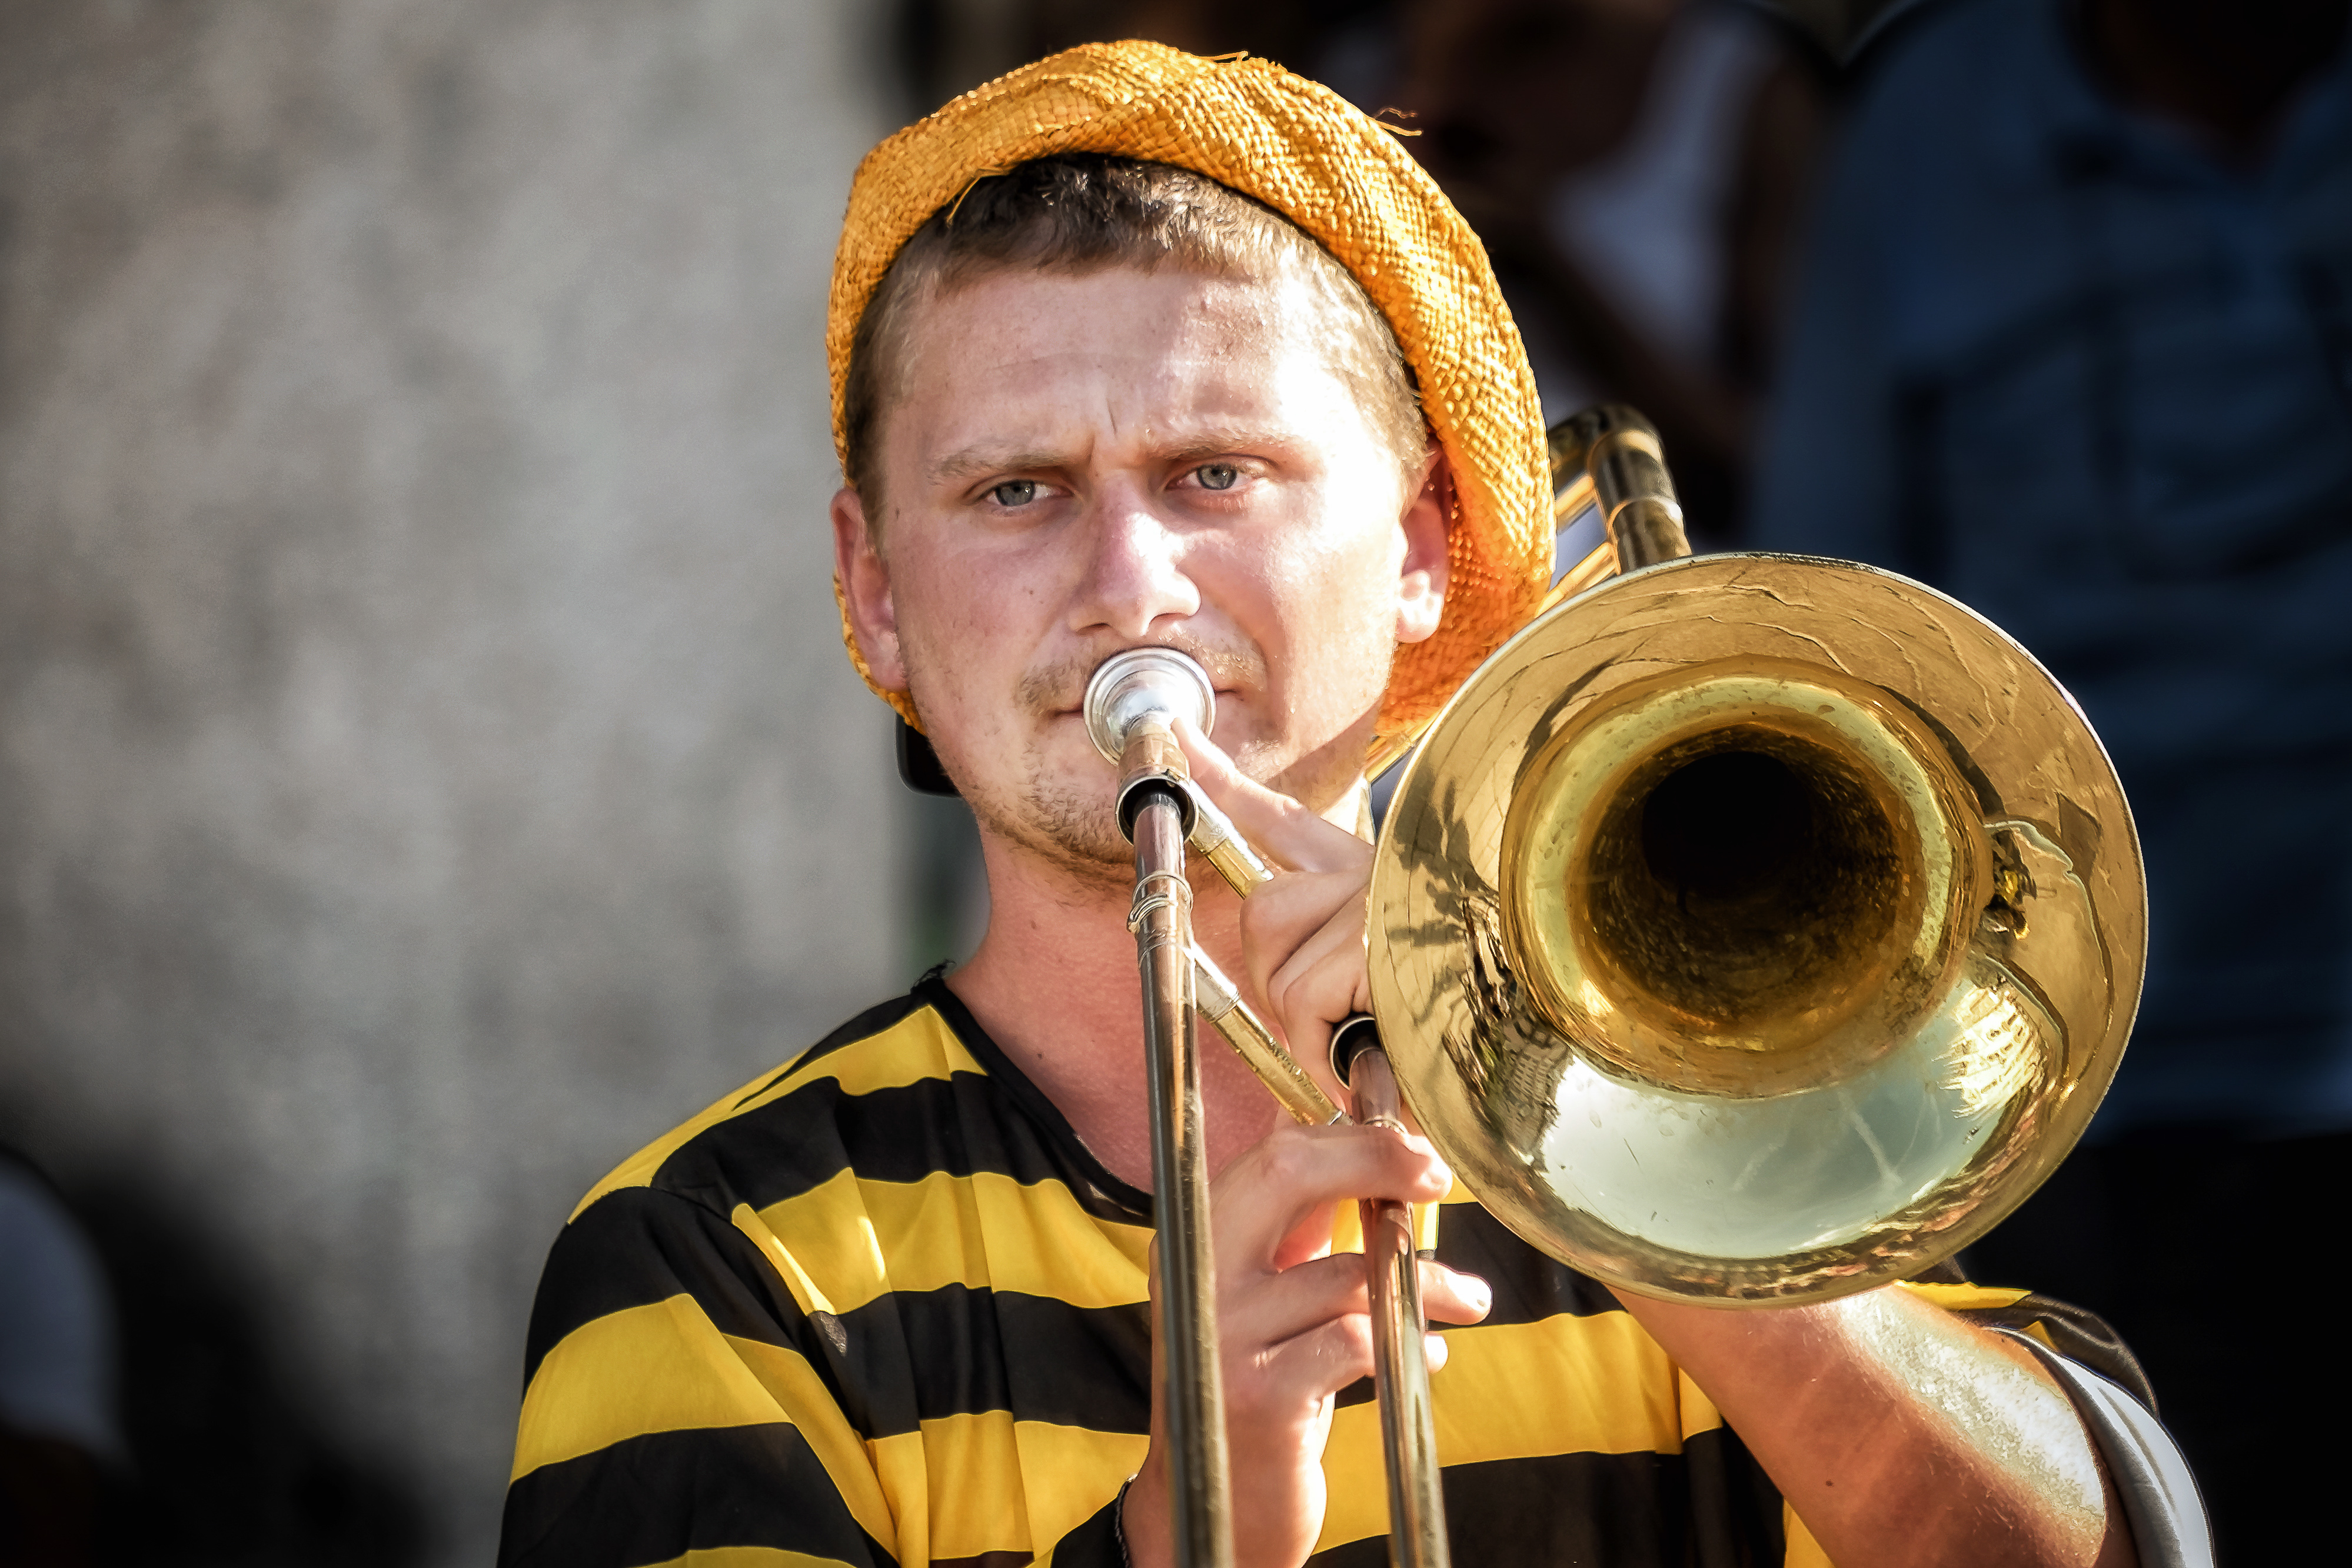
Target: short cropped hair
1083 212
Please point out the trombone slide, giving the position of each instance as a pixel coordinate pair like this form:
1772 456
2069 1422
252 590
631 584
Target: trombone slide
1400 1357
1199 1471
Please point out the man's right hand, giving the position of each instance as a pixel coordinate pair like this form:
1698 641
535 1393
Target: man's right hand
1294 1328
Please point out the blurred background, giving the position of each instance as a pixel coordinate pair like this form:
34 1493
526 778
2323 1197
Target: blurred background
427 767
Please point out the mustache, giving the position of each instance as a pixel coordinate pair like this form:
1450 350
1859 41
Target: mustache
1061 686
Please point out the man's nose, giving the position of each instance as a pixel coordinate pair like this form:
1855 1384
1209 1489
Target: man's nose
1135 575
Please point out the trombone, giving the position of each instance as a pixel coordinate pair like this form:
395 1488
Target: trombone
1748 930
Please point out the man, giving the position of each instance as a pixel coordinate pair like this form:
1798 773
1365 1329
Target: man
890 1302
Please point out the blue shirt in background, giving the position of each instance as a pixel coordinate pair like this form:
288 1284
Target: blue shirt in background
2063 362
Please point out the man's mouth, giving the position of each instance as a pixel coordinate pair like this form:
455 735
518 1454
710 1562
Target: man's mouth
1059 691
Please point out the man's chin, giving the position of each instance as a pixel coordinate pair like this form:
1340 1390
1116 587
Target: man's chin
1062 812
1080 836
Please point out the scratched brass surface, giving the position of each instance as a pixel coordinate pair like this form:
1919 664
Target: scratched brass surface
1756 929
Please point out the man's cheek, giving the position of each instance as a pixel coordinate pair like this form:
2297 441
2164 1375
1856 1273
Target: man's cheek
950 632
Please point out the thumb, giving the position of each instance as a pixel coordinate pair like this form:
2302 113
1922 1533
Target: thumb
1279 827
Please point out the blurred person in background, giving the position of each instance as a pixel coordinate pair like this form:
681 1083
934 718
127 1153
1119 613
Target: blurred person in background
1637 169
146 1416
58 1421
2075 344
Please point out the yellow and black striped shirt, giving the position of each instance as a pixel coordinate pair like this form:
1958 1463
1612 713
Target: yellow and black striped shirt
883 1307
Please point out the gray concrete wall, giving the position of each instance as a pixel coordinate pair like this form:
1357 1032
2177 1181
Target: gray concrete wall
427 767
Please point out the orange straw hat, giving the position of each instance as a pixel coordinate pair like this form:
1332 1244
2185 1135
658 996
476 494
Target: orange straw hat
1309 154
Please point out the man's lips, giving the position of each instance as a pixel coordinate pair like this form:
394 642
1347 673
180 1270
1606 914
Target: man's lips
1220 693
1057 689
1078 709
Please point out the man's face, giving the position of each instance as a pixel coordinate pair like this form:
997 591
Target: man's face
1079 465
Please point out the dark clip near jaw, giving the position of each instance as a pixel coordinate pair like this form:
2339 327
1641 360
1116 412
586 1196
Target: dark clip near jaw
1354 1034
918 764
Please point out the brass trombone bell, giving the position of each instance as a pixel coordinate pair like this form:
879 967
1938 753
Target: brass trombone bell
1756 929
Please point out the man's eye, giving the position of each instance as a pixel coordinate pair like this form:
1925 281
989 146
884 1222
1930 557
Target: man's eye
1014 493
1217 476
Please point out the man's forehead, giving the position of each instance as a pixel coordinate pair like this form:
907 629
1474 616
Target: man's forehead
1056 306
1006 364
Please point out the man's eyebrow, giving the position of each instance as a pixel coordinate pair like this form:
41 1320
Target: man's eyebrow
973 461
1214 441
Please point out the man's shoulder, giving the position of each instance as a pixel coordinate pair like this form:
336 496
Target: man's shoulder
780 1131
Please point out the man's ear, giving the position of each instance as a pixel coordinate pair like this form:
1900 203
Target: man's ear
1421 579
864 579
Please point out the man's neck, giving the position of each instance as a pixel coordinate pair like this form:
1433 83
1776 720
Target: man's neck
1054 984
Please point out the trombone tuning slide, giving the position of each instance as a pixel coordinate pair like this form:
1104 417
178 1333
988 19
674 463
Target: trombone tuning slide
1222 1005
1216 840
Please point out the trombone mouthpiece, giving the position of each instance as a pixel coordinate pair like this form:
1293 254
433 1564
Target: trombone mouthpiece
1140 685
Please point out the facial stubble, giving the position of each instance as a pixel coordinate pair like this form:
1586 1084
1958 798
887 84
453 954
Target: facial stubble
1073 824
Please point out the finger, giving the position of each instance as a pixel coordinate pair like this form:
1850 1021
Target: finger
1279 826
1307 1240
1276 1184
1293 1178
1285 914
1325 981
1313 1365
1271 1309
1451 1296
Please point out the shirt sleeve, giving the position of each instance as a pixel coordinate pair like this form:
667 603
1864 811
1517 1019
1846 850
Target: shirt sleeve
2104 1380
2151 1475
2082 1337
675 1401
